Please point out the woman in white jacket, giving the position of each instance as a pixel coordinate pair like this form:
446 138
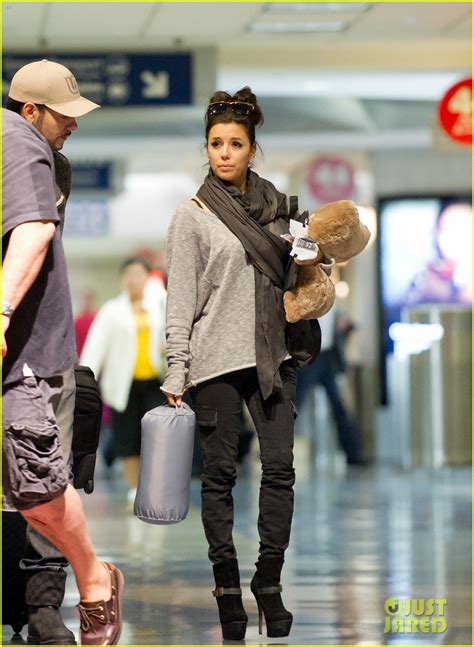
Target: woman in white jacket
125 349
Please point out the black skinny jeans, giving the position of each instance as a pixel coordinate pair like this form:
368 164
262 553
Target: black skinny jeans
218 405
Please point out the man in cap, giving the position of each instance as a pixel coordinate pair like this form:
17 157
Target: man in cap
45 94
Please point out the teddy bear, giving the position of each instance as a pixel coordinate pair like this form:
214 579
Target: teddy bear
340 235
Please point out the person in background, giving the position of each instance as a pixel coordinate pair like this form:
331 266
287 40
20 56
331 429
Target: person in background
84 318
323 372
156 259
125 350
82 323
46 95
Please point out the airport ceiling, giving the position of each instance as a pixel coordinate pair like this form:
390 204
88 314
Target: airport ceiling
136 25
317 67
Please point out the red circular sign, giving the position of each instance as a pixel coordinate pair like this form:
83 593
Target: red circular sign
331 179
455 112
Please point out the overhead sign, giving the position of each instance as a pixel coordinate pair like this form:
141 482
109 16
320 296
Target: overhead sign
330 179
455 112
120 79
87 218
91 176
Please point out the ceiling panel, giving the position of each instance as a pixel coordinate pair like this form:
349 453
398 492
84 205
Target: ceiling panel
21 22
307 16
214 20
409 20
114 22
460 29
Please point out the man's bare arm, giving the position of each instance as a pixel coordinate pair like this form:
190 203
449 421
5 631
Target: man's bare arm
25 256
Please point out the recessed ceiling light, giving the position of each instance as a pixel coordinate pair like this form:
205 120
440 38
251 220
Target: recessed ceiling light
297 27
317 6
316 86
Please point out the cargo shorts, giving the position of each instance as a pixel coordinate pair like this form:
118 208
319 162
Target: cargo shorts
34 470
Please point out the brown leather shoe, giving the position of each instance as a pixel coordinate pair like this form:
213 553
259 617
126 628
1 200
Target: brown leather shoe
101 622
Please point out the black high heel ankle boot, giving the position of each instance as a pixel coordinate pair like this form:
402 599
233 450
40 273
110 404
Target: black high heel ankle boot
228 595
266 587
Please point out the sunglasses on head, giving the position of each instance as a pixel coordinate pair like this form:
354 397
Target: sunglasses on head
238 107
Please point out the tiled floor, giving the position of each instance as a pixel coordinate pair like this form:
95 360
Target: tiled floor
359 537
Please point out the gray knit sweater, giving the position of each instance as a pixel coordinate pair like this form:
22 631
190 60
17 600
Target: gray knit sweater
210 319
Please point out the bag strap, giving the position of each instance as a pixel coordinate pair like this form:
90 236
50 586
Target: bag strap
292 205
200 204
293 211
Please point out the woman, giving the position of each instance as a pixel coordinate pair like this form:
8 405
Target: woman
124 348
226 343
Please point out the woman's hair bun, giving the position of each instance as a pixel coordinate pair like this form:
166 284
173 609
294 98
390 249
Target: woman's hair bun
246 95
220 96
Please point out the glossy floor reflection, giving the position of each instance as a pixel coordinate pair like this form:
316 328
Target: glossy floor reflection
359 537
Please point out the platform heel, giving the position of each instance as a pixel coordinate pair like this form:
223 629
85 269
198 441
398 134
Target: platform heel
266 587
228 595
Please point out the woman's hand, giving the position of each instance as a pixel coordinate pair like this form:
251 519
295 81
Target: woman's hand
174 400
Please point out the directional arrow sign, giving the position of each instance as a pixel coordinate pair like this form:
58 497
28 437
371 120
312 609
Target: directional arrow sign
120 79
156 86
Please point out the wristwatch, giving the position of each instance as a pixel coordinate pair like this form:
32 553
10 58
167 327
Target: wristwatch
7 310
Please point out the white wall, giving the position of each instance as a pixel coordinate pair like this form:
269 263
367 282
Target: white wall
398 172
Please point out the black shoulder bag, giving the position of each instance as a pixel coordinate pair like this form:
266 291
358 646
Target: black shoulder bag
303 338
86 428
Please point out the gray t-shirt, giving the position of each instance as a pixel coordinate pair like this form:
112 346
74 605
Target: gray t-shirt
41 332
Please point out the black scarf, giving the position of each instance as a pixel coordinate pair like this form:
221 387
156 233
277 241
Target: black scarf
250 216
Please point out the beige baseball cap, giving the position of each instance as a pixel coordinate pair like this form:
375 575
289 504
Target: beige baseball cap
50 84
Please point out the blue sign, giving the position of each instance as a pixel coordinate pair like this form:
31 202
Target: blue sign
86 218
114 79
91 176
